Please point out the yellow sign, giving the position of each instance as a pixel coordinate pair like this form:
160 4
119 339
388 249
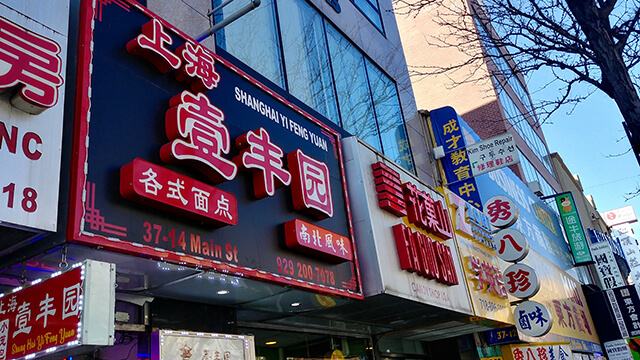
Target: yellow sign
478 257
563 296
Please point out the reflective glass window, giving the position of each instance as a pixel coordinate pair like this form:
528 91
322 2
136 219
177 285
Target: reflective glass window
354 97
253 38
386 104
307 58
371 10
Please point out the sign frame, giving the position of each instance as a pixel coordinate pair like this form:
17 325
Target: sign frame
566 211
82 191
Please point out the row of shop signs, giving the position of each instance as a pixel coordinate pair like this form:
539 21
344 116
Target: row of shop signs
218 148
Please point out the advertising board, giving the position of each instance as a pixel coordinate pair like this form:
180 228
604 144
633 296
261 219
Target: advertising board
183 157
167 344
67 311
573 228
405 233
33 53
484 279
618 216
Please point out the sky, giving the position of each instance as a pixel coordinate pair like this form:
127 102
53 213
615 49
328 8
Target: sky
588 140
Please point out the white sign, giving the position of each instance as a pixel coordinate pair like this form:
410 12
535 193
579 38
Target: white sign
171 345
618 350
380 259
532 318
501 210
608 270
511 245
492 154
632 253
33 58
619 216
521 281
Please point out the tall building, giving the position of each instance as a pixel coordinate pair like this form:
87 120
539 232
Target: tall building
487 91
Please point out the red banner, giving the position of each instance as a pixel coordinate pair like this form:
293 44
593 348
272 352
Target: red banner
41 316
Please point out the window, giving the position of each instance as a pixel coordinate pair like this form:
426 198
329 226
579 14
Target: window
305 52
321 68
390 122
524 128
252 39
371 10
531 174
502 65
354 98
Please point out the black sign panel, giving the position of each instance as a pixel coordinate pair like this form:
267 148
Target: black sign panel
185 158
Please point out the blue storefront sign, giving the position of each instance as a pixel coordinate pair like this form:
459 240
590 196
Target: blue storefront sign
449 130
502 335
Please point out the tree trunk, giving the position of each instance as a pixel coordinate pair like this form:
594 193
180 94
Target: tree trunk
615 76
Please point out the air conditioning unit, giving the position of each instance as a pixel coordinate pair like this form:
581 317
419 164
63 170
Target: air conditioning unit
536 188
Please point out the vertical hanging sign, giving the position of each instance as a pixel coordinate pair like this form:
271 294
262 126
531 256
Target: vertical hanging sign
573 228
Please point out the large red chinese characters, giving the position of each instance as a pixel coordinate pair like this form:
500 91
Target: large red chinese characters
264 158
311 188
417 252
198 136
147 183
32 63
404 199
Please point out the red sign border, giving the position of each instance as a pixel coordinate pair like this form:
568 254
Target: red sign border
79 178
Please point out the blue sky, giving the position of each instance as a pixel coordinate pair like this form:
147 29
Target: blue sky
586 139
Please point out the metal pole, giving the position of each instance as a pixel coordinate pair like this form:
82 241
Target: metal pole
219 7
233 17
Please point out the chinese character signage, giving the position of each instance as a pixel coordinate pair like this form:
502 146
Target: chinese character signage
447 127
626 308
492 154
562 295
72 308
536 221
538 351
404 232
521 281
167 344
511 245
573 228
484 279
501 210
532 318
606 264
184 157
631 253
33 52
618 350
417 252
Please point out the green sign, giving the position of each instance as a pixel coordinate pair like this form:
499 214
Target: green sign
573 228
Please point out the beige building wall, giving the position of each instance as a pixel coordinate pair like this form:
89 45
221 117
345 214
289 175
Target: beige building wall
430 45
466 89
